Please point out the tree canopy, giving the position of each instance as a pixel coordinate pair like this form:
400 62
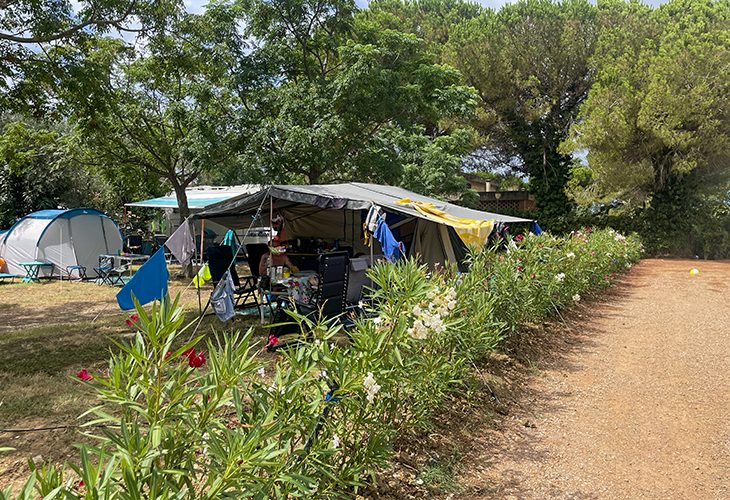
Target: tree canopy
530 63
348 101
660 107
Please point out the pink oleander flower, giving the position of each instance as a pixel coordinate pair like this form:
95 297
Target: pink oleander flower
168 355
196 361
272 340
84 375
133 318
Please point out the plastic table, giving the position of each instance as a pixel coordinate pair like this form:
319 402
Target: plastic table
32 269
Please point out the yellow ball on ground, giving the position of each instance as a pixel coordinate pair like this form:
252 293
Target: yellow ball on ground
694 272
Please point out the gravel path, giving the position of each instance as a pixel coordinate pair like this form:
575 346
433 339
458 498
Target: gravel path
637 406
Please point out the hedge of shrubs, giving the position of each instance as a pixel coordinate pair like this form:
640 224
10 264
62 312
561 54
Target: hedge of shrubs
321 419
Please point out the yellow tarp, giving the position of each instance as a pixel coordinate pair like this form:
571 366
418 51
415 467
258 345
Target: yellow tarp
471 232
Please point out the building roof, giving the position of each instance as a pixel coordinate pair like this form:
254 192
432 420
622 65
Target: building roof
199 197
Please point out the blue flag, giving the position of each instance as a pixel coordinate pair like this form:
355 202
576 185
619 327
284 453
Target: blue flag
148 283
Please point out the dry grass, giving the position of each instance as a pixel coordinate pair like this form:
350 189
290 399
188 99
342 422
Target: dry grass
49 331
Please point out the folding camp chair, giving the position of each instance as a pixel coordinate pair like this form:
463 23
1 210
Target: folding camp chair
116 276
134 243
160 240
220 260
330 298
106 264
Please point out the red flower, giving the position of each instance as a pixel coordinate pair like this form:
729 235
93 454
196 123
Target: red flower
533 275
131 319
81 484
167 355
519 237
272 340
84 375
193 360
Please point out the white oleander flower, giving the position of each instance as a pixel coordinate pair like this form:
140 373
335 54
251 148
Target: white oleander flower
371 387
576 298
335 441
570 255
560 277
418 331
262 372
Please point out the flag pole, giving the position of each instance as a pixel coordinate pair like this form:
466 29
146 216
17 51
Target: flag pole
202 235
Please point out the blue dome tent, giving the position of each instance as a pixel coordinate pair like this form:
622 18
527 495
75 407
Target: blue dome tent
64 238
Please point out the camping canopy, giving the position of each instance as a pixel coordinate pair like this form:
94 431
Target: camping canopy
63 237
337 211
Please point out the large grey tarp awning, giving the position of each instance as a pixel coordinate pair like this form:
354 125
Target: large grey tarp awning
236 212
335 212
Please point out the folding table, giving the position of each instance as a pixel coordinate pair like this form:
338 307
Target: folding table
32 269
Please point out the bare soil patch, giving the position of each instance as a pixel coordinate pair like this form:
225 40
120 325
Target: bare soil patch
630 403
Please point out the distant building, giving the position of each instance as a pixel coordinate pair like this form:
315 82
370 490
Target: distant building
491 199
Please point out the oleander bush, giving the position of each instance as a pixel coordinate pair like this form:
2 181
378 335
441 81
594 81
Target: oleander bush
217 421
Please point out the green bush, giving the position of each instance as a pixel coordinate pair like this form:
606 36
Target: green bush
319 421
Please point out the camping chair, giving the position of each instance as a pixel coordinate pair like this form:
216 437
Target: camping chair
116 276
134 243
330 298
106 264
160 240
219 260
207 243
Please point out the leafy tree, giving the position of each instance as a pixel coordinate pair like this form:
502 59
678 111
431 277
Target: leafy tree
659 108
657 122
30 28
530 63
34 175
346 100
430 20
163 115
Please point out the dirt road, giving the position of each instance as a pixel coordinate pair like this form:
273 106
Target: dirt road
637 406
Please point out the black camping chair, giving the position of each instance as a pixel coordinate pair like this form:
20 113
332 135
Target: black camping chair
219 259
330 298
160 240
134 243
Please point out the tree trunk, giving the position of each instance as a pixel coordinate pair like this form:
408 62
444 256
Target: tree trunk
182 204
